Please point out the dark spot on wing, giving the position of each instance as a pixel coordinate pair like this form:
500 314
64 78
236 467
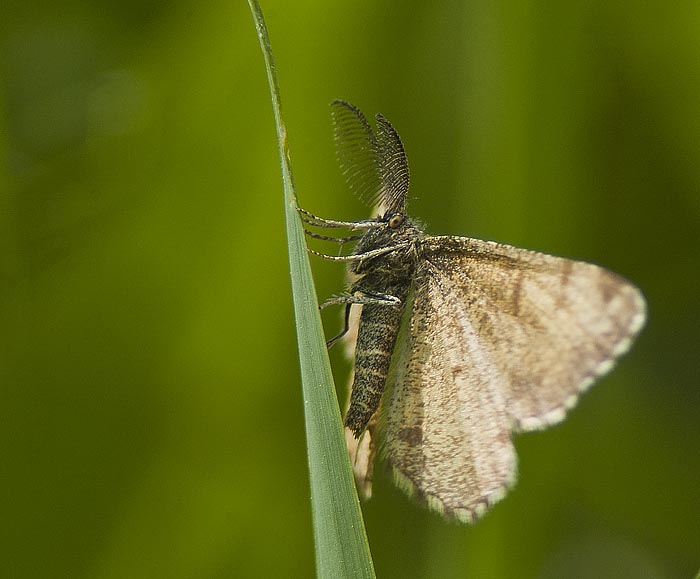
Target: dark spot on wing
411 435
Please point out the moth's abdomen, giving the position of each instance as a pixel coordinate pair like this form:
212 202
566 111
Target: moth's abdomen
376 337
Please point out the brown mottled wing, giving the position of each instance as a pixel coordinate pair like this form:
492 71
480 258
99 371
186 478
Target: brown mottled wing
552 325
447 436
499 339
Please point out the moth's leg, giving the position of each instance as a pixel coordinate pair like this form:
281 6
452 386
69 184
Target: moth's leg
311 219
360 256
349 300
364 299
345 329
340 240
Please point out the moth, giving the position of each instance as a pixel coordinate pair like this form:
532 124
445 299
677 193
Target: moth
462 342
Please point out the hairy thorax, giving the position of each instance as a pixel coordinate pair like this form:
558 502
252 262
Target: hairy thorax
391 271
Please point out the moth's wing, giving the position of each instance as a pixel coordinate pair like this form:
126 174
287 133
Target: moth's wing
498 339
446 431
549 326
362 453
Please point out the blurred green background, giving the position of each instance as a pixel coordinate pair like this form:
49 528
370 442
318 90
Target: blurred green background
151 420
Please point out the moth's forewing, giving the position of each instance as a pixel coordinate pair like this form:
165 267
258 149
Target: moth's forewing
499 339
551 325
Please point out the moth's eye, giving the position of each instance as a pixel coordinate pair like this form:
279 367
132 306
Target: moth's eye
396 220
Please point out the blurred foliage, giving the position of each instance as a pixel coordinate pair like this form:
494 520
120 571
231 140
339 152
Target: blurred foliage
151 420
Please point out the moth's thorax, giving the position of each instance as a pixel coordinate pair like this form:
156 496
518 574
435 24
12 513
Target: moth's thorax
399 263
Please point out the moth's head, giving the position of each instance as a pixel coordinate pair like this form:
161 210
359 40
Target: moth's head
394 224
393 227
394 219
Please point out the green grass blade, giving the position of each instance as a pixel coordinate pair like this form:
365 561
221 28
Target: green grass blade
339 533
